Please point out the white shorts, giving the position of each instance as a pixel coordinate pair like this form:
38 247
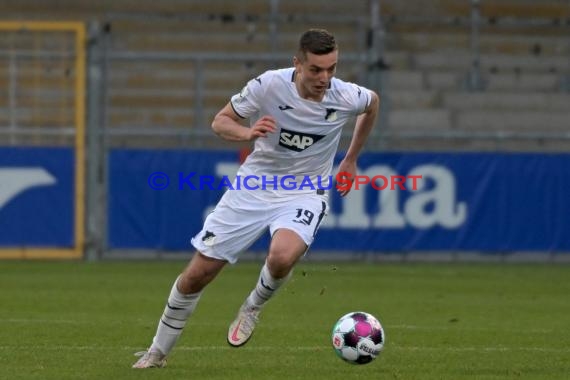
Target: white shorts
240 218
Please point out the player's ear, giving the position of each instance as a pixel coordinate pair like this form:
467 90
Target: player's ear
296 61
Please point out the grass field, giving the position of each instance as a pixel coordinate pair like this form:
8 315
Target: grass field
443 321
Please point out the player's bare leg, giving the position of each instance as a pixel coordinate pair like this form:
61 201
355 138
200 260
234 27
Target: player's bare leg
182 301
285 250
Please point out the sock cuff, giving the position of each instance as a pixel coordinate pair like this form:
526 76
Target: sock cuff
266 275
180 298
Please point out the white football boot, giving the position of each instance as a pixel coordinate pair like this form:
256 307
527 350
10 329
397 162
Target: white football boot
150 359
242 327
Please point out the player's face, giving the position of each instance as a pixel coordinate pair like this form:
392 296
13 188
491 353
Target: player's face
315 73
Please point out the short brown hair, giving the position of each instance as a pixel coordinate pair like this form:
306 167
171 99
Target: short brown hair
316 41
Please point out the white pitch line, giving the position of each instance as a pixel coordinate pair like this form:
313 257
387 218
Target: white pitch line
460 327
42 321
482 349
455 327
289 348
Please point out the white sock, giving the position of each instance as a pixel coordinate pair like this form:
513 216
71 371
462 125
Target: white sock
265 288
176 313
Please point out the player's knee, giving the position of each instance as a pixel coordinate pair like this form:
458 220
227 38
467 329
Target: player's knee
189 284
194 281
280 263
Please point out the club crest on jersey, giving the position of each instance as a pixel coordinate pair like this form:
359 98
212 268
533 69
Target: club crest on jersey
297 141
331 115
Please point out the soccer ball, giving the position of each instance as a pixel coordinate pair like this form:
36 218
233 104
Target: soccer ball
358 337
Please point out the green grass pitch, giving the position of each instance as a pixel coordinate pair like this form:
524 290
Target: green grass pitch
74 320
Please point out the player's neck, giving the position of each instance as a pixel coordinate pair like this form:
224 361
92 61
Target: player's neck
304 93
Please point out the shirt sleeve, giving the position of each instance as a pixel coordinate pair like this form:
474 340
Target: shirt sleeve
246 102
361 98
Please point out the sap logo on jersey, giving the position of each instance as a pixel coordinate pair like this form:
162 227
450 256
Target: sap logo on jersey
297 141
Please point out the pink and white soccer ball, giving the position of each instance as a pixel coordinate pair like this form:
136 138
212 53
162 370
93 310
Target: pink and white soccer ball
358 337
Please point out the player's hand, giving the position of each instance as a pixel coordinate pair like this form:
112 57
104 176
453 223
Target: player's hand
345 176
262 127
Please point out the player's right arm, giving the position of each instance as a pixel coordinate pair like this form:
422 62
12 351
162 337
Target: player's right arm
226 125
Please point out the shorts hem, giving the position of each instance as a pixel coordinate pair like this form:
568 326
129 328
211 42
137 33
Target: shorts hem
208 253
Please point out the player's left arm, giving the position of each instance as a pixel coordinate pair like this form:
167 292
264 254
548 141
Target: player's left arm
364 124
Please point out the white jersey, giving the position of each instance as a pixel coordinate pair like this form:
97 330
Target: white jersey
308 132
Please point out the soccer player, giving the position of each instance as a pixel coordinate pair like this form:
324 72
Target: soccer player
296 117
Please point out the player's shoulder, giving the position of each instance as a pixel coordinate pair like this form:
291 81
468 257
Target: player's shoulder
342 86
284 75
349 92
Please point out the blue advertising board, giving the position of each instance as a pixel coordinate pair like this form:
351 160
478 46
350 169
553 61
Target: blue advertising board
486 202
37 197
